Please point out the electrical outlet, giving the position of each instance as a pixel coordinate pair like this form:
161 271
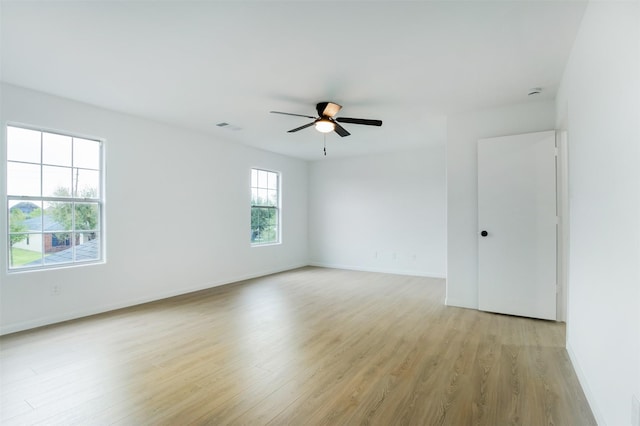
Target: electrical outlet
55 290
635 411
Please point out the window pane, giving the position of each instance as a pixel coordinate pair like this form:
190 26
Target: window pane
23 145
255 224
56 181
57 216
58 248
262 178
34 221
273 181
87 246
262 197
17 218
86 217
254 196
254 178
86 183
86 153
26 250
23 179
25 216
273 198
56 149
263 225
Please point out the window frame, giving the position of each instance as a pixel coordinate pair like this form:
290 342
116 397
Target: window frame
41 200
277 208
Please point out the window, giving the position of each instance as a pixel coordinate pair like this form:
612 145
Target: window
265 207
54 199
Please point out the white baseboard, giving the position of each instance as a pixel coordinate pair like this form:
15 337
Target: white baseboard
582 378
458 303
410 272
67 316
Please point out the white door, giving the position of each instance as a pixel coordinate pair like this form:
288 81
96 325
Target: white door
517 221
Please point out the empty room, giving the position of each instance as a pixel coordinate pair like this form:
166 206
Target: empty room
320 213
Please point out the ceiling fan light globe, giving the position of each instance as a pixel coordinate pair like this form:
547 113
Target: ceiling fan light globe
325 126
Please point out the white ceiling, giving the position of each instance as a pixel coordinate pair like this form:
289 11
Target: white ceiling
195 64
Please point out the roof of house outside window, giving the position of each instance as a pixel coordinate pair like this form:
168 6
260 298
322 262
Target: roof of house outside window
86 251
35 224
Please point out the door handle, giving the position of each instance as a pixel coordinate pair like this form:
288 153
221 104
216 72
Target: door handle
484 233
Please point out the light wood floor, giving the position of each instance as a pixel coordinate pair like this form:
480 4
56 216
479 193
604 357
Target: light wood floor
306 347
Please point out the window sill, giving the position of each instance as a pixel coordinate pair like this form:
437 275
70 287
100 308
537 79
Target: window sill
265 244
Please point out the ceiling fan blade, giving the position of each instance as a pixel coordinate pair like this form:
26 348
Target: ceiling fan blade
288 113
341 130
359 121
328 109
302 127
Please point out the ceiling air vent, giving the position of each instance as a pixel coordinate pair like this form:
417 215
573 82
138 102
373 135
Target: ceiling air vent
228 126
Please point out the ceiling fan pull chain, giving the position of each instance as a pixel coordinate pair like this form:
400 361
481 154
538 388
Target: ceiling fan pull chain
325 144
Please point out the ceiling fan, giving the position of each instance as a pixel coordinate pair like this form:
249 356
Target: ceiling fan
327 121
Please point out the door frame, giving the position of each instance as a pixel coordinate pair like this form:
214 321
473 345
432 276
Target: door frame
562 203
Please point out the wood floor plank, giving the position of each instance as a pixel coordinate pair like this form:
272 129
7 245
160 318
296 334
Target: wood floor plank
310 346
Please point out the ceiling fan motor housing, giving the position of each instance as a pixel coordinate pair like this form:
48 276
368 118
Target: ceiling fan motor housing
328 109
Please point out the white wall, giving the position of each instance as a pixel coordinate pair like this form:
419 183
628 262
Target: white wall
177 215
383 212
463 133
600 95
